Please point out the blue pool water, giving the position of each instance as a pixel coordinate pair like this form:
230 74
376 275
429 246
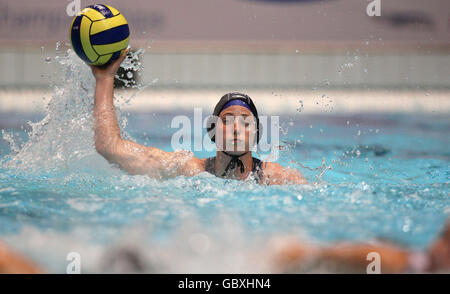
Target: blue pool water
388 180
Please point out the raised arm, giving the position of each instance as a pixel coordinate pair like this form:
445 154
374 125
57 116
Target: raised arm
129 156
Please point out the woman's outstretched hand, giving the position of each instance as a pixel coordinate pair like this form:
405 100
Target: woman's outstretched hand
110 70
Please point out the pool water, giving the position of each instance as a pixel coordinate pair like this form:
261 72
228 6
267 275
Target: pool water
372 177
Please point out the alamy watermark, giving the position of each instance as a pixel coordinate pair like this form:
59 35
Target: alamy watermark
374 8
374 267
234 133
74 266
73 7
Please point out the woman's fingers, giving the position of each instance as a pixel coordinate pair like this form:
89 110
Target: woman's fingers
111 69
121 57
124 54
116 63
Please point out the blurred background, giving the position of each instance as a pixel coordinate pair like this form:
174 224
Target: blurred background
266 48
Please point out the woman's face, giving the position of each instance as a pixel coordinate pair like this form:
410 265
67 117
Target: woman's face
235 130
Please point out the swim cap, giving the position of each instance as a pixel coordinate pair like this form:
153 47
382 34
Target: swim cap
228 100
236 102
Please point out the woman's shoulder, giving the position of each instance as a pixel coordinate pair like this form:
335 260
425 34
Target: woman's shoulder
189 164
276 174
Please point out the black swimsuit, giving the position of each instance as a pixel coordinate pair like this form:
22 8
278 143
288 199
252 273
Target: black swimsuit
256 168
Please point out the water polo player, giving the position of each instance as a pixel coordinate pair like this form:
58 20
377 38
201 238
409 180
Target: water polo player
234 130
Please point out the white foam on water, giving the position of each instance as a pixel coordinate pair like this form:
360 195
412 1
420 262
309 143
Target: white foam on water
192 248
63 139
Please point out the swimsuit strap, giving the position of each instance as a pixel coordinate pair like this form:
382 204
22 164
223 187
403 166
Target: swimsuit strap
235 161
211 165
256 167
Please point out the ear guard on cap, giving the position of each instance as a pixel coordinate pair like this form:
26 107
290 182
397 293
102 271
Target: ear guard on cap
212 120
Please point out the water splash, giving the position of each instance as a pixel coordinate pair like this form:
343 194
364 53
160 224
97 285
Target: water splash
9 138
63 139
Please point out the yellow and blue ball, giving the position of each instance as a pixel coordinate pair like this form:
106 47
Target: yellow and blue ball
99 33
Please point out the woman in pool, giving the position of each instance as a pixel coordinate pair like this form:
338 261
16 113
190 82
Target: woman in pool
235 132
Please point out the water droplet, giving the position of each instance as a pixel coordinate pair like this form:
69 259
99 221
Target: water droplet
301 105
48 59
129 75
348 65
